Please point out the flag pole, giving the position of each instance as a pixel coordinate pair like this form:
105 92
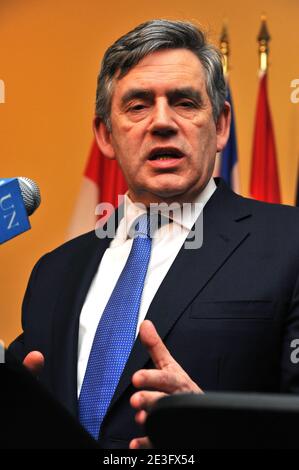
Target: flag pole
264 181
224 48
263 39
227 162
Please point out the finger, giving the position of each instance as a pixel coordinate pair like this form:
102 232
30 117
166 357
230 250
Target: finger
159 380
155 346
145 400
141 417
34 362
140 443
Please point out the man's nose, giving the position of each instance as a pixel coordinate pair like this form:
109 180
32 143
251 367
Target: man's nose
163 123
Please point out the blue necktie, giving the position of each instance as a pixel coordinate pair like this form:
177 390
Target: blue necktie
115 333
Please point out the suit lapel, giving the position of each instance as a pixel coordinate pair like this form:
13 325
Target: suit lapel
79 273
191 271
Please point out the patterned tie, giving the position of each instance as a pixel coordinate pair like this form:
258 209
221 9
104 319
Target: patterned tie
115 333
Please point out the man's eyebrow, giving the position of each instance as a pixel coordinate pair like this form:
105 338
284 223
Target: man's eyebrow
172 95
186 92
137 93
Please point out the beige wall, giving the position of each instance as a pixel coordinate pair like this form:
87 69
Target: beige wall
49 56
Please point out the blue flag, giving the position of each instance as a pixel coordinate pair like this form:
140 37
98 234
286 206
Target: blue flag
229 155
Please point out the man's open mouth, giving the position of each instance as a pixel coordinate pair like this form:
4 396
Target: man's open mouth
165 154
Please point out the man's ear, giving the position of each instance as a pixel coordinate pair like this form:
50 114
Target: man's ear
103 138
223 126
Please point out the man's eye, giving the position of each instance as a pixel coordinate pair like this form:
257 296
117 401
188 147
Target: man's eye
137 107
186 104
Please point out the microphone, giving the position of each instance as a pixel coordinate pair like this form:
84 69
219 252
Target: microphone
30 193
19 198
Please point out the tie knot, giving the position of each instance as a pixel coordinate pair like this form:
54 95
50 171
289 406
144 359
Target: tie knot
142 226
147 224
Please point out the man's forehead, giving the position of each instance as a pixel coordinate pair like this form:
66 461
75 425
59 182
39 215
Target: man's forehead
170 68
164 60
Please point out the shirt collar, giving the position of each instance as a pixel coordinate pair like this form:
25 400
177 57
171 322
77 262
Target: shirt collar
185 215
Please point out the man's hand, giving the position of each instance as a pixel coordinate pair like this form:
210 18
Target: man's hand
166 379
34 362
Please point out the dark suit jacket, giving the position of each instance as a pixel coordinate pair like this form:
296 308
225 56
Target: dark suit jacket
227 311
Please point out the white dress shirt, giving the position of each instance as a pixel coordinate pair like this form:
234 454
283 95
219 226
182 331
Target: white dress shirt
166 244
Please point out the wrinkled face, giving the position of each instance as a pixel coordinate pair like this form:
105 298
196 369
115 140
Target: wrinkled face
162 129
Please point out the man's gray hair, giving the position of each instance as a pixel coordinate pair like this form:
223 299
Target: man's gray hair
153 36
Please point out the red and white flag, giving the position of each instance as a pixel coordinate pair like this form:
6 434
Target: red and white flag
264 183
103 181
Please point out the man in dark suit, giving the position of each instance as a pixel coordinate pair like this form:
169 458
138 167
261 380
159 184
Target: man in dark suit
223 314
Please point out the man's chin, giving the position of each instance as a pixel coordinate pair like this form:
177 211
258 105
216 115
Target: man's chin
165 193
168 194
